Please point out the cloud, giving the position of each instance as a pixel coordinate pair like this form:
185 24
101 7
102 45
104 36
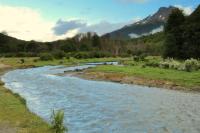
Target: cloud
156 30
63 26
81 26
187 10
27 24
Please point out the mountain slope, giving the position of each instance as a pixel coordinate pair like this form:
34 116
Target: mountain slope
150 24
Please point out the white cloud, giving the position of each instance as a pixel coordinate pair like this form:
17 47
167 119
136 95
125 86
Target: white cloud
156 30
187 10
63 26
27 24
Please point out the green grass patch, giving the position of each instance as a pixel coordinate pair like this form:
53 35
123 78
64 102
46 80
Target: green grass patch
34 61
185 79
14 113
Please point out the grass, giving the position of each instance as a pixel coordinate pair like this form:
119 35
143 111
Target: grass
34 61
185 79
14 114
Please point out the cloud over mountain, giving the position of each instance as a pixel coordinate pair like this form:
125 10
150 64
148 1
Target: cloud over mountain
63 26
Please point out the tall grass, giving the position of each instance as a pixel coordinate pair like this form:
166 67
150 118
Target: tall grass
57 122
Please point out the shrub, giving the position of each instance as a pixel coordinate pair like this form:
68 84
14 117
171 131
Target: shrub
82 55
142 57
57 122
46 57
58 54
35 60
100 54
152 63
191 65
22 61
170 64
164 65
61 62
136 58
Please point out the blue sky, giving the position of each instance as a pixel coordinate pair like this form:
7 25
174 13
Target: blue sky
97 10
89 12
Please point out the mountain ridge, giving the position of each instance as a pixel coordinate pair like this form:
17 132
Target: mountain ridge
148 25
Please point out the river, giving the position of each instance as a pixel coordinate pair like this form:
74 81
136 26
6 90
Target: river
105 107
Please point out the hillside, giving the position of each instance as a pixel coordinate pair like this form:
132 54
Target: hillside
151 24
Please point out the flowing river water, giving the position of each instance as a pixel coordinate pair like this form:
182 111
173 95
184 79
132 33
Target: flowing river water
105 107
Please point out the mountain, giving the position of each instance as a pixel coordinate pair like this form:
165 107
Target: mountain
150 25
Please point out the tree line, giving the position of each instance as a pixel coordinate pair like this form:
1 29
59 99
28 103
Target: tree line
86 45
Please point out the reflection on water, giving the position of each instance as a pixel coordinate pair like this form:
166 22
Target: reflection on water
104 107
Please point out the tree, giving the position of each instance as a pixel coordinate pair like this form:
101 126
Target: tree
176 18
96 41
174 37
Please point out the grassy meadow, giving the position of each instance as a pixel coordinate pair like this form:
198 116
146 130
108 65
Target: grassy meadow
182 78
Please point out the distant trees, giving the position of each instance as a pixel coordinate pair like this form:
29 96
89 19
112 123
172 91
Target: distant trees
183 35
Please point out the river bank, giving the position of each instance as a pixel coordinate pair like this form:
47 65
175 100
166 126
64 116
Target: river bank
107 73
14 114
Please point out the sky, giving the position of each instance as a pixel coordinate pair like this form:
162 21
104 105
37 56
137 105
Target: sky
48 20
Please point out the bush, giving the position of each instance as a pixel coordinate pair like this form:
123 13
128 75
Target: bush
100 54
22 61
82 55
58 54
164 65
136 58
170 64
191 65
152 63
35 60
46 57
57 122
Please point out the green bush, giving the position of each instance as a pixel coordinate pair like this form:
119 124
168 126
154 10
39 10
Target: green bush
136 58
152 63
58 54
22 61
191 65
57 122
164 65
82 55
100 54
46 57
35 60
170 64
